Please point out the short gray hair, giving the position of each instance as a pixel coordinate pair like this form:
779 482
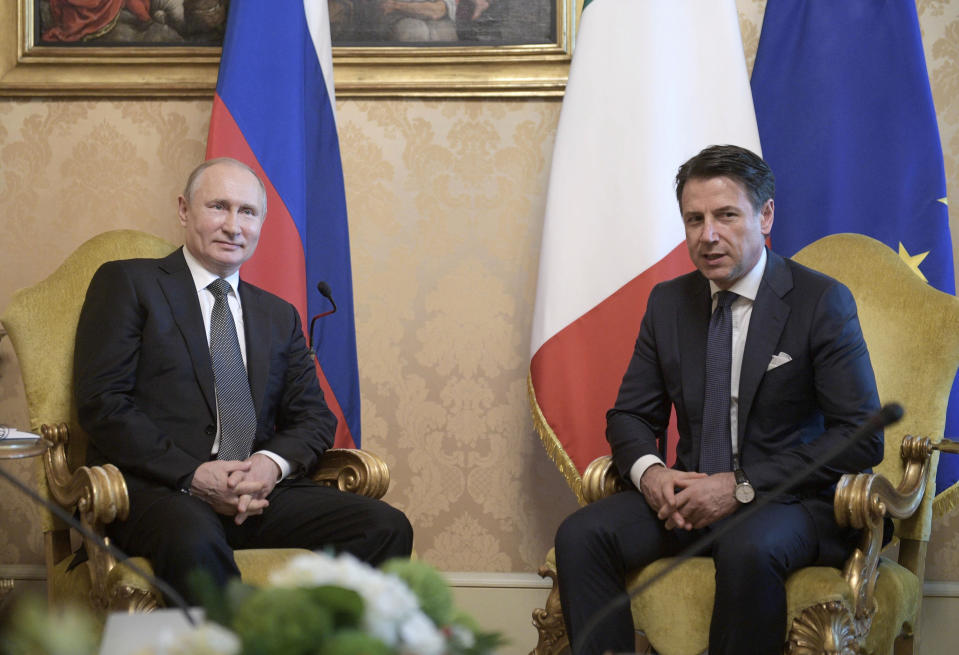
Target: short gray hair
194 179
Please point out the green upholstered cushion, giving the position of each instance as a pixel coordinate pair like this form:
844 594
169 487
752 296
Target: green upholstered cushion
675 611
257 564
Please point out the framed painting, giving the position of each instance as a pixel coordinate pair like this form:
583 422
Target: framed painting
385 48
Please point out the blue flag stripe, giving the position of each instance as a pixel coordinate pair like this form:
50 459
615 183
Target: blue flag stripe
271 81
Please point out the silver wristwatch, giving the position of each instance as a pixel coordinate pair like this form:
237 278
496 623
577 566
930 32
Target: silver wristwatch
744 491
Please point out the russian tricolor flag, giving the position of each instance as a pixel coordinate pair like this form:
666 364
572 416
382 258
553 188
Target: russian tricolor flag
274 110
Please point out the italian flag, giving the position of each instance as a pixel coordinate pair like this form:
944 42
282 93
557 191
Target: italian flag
652 82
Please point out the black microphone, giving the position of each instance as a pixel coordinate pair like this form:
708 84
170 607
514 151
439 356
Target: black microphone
119 555
887 415
324 290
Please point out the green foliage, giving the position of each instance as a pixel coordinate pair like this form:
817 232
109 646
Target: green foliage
353 642
344 605
436 599
35 629
486 642
219 606
281 620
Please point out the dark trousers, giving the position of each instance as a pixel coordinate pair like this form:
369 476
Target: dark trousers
180 533
599 544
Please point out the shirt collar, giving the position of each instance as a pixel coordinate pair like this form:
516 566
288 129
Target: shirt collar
202 277
748 285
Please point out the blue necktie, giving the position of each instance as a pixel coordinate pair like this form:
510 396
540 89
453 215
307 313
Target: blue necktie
233 398
715 448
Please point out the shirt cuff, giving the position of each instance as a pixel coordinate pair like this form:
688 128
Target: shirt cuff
640 465
284 465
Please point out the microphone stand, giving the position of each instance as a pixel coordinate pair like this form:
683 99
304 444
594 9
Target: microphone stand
888 415
324 290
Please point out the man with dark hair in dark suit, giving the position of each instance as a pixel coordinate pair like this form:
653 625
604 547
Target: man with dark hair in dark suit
764 362
200 389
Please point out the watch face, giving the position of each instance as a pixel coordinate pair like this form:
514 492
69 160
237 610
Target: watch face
745 493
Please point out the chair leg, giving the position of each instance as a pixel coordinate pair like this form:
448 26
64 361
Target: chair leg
548 622
906 644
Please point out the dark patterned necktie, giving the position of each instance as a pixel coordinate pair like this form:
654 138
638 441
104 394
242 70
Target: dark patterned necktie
715 448
233 398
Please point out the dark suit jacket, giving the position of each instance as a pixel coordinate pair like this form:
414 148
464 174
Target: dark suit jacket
788 415
144 379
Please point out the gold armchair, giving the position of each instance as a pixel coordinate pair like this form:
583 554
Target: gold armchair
41 322
872 605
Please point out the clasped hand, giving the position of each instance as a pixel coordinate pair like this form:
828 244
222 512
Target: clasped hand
688 500
236 488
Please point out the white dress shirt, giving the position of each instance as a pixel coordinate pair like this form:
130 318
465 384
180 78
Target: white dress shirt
746 288
201 280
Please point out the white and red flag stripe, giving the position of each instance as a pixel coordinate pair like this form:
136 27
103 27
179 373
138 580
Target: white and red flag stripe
652 82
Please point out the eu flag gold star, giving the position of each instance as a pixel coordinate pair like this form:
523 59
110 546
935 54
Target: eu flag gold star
913 261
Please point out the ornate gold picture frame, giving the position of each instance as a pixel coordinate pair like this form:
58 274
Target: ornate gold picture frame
31 70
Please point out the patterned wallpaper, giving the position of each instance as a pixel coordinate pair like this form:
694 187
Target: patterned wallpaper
446 202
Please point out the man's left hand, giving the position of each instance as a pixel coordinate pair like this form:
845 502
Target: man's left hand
705 501
263 470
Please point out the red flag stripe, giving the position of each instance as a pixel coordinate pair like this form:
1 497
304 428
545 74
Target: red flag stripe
577 361
279 241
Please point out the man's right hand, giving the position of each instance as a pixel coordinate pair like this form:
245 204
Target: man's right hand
210 484
659 484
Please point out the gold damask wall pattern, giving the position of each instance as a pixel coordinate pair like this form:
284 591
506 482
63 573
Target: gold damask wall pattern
446 206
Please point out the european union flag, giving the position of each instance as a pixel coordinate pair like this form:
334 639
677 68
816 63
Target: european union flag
847 124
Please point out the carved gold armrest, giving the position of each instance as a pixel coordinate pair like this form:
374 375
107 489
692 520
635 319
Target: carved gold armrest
862 500
601 479
97 493
356 471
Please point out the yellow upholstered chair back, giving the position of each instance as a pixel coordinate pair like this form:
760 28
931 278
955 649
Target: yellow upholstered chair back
912 331
41 322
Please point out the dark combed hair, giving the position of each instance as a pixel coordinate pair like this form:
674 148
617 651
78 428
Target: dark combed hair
744 166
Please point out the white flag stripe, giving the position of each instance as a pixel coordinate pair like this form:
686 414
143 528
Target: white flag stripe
318 22
651 84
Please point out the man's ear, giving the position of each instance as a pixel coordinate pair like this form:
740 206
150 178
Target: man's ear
182 209
766 217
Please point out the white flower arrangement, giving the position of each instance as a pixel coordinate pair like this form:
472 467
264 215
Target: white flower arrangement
391 611
409 612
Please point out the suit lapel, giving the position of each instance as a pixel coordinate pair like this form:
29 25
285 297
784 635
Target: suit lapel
693 332
766 324
177 285
256 323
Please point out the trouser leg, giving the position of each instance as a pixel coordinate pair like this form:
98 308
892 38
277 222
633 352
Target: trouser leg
302 514
180 534
752 564
595 548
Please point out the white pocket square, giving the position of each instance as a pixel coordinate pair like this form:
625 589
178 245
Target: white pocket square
778 360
